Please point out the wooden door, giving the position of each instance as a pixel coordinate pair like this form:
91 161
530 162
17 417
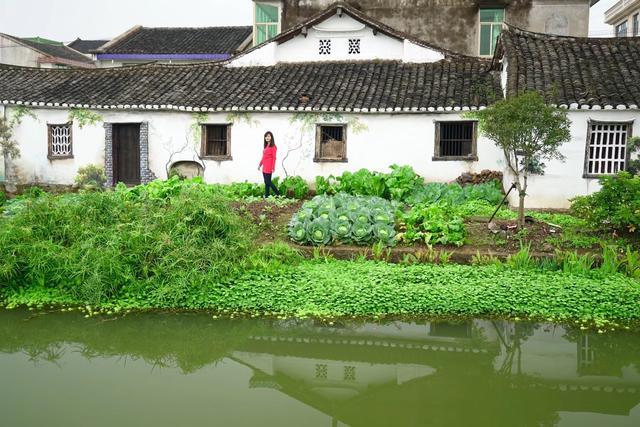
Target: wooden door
126 153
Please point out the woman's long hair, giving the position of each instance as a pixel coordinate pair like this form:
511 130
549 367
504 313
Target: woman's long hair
273 140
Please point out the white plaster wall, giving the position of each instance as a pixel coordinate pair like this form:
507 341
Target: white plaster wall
264 56
563 180
338 29
33 166
13 53
403 139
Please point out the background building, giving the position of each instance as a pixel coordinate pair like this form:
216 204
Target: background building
40 53
625 18
465 26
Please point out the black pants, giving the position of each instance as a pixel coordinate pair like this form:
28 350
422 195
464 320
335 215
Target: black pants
268 185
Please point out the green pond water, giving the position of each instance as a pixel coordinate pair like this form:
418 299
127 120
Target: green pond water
61 369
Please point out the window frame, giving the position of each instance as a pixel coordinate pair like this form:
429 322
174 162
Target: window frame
635 24
504 19
626 29
473 157
265 24
627 156
203 142
318 148
50 154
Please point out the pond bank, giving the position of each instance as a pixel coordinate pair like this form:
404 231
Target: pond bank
366 288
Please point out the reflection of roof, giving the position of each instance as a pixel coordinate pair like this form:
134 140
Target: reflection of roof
86 46
57 50
431 400
144 40
573 70
370 349
383 86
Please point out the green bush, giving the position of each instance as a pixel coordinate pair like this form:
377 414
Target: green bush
432 224
91 176
345 219
294 185
615 206
405 185
94 245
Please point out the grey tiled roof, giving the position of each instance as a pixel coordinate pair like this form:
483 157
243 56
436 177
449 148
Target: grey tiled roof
86 46
213 40
570 70
343 86
55 50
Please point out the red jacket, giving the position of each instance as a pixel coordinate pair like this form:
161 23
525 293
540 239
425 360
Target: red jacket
268 161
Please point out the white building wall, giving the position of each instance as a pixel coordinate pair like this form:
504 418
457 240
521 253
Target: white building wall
382 140
563 180
338 30
13 53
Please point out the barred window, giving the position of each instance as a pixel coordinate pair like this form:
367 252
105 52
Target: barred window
606 148
216 142
60 141
331 143
455 141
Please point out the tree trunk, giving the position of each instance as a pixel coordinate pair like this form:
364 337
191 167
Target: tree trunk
521 210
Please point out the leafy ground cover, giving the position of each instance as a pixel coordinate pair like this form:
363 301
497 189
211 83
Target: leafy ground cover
364 288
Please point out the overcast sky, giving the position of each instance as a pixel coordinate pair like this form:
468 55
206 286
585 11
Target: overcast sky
89 19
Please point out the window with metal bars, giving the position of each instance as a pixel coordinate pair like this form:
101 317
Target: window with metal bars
331 143
216 142
606 151
60 141
455 141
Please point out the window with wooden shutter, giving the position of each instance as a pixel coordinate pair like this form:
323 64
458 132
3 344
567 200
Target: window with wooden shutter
60 138
456 141
606 151
216 142
331 143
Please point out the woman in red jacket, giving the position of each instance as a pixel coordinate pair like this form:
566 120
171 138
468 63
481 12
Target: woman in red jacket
268 163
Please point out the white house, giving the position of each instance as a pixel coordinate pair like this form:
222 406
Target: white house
340 92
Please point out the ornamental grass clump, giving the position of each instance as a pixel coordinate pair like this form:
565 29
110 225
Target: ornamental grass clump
94 245
344 219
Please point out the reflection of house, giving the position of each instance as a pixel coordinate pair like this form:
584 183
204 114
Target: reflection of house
173 45
41 53
410 374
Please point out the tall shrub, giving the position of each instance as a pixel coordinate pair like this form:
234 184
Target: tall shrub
528 131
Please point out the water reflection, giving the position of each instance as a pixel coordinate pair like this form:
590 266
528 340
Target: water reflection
477 372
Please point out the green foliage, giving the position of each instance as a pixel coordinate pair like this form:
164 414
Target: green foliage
84 117
528 131
615 206
633 146
168 239
91 176
343 219
295 186
432 224
354 288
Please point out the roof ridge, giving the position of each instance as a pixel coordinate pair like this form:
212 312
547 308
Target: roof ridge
197 28
517 30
